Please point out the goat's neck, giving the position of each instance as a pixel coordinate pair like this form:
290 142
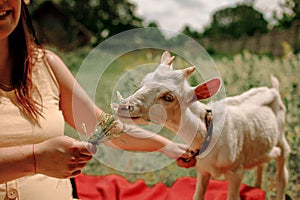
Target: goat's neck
190 126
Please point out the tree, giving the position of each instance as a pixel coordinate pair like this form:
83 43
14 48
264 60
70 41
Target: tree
236 22
290 13
191 33
104 18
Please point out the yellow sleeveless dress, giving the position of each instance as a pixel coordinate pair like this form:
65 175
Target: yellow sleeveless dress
16 129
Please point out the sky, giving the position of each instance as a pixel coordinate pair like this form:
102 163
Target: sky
176 14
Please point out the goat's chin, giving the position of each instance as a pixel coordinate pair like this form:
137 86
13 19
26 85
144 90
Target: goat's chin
133 120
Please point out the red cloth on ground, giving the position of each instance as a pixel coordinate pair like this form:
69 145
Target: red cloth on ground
115 187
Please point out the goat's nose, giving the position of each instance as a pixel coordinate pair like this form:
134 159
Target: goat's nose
126 107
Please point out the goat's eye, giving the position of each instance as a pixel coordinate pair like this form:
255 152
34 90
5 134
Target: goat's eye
168 98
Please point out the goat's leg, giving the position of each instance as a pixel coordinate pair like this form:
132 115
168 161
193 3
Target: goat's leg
274 153
258 176
234 178
282 173
201 185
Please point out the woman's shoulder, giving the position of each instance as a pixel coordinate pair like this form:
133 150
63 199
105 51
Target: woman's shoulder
60 70
51 56
55 62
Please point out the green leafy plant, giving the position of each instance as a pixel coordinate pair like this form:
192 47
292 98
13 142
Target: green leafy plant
104 130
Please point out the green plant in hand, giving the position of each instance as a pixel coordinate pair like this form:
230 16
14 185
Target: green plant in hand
103 131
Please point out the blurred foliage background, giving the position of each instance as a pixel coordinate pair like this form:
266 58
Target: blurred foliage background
245 47
69 24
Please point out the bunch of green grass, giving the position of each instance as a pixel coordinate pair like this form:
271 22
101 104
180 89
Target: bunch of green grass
104 130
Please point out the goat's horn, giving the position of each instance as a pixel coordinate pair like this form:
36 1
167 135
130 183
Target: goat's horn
170 61
188 71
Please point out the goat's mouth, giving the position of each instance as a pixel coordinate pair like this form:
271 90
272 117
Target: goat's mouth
127 117
132 119
128 114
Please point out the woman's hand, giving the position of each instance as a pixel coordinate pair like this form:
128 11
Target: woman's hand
62 157
186 161
174 150
179 152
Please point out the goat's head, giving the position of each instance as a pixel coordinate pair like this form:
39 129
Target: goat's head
164 94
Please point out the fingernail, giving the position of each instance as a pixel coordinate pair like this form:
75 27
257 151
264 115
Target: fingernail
91 148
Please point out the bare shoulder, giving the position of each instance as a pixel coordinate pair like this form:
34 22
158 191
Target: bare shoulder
53 59
59 68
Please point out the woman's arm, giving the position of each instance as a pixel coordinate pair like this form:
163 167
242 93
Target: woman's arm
16 162
78 108
138 139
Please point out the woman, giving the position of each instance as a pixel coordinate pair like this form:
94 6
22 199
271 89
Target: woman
36 97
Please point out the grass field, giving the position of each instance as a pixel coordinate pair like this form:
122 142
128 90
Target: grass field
239 73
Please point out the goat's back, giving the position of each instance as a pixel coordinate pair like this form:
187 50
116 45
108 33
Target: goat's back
251 128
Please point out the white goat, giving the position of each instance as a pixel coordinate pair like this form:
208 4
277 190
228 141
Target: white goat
251 126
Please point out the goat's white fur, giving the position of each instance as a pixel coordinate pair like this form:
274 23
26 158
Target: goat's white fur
252 132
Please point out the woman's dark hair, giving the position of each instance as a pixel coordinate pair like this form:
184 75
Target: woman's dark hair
24 47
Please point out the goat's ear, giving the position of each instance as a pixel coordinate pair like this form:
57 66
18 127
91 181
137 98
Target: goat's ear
206 90
188 71
166 59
